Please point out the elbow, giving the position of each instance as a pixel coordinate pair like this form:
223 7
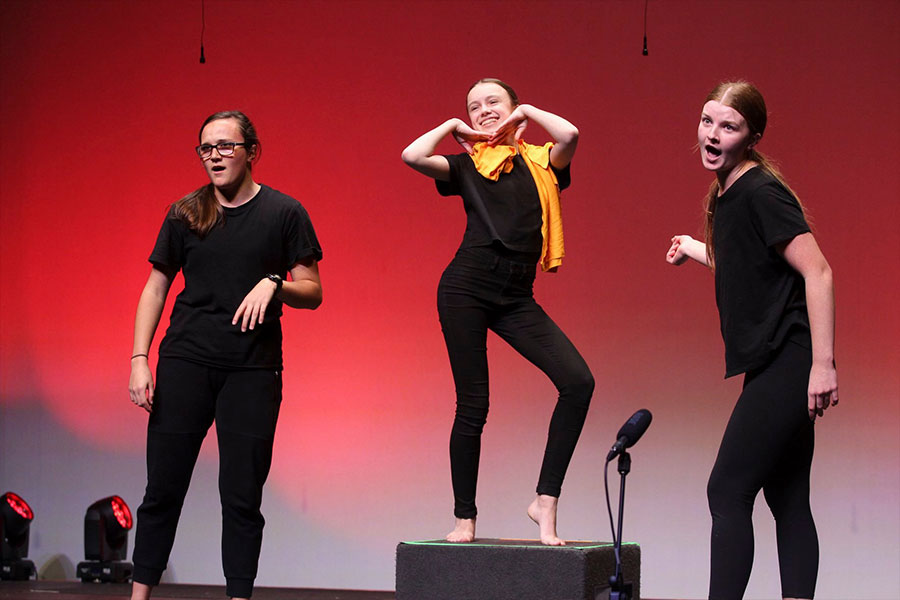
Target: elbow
409 157
828 275
569 137
314 300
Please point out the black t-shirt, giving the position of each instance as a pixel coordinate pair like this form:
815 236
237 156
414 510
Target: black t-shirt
761 298
268 234
506 211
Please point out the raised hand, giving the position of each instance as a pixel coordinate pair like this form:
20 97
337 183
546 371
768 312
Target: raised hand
676 254
515 125
467 137
253 308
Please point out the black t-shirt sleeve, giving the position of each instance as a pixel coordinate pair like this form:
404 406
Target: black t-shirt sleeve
169 248
300 237
563 176
451 188
777 215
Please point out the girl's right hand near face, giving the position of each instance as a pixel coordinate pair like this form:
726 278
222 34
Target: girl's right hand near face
140 384
467 137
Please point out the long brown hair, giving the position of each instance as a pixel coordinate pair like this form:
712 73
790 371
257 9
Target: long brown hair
743 97
200 210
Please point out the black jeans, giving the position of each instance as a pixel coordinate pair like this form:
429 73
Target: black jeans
482 289
244 405
768 445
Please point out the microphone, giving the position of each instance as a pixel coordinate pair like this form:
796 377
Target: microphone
630 432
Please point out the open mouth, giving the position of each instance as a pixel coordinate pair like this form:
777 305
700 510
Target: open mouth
218 169
713 150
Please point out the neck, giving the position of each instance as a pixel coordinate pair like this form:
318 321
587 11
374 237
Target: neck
726 180
236 195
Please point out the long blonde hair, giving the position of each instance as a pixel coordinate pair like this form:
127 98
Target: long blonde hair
743 97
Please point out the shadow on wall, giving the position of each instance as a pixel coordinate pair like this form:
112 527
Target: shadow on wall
60 475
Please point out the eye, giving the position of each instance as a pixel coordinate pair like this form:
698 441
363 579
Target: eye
730 127
227 146
705 120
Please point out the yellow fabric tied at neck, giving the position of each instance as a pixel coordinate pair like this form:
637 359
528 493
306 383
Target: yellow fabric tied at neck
491 161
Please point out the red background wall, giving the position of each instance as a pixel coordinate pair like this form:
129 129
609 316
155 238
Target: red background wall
100 107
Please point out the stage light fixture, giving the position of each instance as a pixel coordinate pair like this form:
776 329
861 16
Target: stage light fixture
106 526
14 529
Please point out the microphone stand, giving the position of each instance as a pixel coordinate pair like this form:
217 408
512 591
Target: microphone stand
619 589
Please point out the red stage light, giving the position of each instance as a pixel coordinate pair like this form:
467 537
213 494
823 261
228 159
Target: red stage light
15 521
20 506
121 512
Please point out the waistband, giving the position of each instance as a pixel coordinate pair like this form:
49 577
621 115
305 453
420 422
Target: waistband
496 259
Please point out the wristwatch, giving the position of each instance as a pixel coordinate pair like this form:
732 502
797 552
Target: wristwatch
277 279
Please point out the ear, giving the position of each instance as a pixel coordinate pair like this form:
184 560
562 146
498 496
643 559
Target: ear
252 152
754 141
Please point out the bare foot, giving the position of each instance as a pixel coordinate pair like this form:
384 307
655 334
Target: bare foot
543 512
464 531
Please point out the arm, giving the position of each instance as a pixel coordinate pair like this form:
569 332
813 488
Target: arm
303 291
804 255
149 311
564 134
685 247
420 154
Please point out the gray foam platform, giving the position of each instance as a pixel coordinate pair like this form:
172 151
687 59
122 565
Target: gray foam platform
501 569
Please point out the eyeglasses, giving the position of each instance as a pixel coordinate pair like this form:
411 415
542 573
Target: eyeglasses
204 151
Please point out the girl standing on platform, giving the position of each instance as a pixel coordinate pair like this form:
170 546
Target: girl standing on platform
776 307
510 192
235 241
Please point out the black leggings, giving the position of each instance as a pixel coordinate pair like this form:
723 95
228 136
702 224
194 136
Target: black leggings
481 290
768 445
244 405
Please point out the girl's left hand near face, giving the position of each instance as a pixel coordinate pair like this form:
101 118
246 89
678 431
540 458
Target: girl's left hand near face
253 308
823 389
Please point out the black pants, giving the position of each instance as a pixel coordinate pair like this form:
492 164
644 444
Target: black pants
244 405
768 445
481 290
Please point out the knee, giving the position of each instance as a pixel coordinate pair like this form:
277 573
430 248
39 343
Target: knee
578 389
725 497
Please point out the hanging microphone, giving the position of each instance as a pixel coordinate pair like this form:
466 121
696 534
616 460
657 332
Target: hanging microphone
202 56
630 432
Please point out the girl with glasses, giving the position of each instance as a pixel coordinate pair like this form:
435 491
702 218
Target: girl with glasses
235 241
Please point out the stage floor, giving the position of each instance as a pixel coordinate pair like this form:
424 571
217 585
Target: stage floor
76 590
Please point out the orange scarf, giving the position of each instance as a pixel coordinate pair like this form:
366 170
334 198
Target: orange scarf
491 161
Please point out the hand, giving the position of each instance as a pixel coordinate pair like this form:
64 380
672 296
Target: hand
823 389
677 253
140 384
467 137
253 308
514 124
